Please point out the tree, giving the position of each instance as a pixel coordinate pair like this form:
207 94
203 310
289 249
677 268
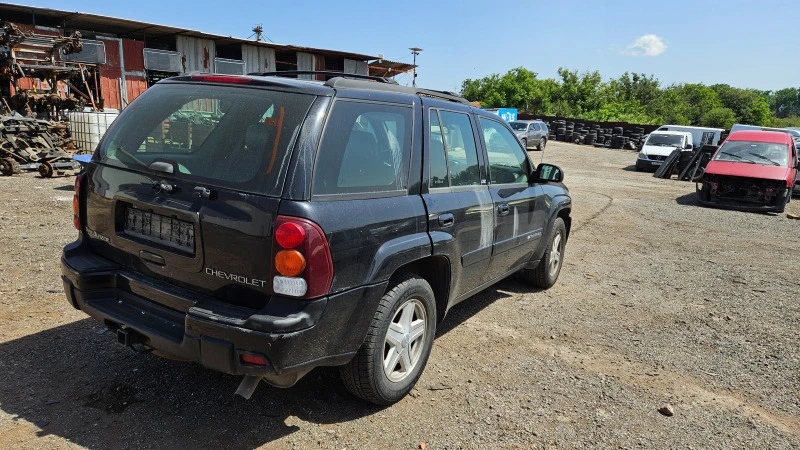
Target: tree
634 98
785 102
581 91
750 107
720 117
518 88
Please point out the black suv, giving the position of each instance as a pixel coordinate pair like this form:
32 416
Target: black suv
262 225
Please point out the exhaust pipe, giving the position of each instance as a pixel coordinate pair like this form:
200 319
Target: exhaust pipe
247 386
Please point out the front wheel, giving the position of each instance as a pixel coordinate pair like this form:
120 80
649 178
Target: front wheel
397 346
525 144
546 273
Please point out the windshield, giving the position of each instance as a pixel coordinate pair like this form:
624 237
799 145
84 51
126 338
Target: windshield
232 137
766 153
665 140
519 126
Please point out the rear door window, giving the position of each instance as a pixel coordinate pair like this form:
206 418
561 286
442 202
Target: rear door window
438 155
462 154
232 137
365 149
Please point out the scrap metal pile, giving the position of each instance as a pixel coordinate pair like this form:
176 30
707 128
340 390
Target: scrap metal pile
33 133
28 144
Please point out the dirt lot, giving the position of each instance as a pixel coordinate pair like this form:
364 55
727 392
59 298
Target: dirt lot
659 301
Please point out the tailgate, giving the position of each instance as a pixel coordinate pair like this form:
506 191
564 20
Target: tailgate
186 184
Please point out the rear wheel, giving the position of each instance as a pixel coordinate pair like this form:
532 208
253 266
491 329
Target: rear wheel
397 345
546 273
542 143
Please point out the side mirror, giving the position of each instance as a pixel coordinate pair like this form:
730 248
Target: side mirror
548 173
689 146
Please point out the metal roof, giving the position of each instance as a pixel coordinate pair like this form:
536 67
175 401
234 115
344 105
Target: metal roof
386 68
132 29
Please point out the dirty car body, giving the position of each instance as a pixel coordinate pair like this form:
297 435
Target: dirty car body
263 226
751 171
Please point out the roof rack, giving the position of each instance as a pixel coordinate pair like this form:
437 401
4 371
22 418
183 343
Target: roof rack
284 73
340 82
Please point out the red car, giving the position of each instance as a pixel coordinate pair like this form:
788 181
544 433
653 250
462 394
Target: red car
751 171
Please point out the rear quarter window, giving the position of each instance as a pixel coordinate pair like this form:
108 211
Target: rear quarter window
232 137
365 148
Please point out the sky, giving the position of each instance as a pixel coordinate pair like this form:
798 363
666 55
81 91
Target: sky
745 44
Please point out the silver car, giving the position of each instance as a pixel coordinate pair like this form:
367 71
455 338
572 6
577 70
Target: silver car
532 133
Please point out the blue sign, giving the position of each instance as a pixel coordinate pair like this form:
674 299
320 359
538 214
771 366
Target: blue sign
508 114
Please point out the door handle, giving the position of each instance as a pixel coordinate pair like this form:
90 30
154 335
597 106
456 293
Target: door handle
446 220
502 209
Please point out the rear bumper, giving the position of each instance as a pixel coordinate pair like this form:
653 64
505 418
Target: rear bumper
292 335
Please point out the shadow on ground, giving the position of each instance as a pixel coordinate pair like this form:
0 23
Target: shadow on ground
73 381
687 200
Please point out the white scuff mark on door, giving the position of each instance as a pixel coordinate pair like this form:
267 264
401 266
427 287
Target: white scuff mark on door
516 223
487 217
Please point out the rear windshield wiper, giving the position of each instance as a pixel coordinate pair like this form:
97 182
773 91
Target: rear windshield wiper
120 151
774 163
749 161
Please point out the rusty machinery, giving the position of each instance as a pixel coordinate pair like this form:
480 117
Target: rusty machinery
33 135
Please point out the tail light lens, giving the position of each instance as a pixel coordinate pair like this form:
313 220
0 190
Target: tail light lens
76 204
302 265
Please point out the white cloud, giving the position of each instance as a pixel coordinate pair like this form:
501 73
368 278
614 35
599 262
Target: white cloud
647 45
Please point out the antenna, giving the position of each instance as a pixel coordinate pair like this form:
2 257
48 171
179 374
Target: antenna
258 30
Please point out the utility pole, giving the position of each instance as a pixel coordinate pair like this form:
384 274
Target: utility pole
415 51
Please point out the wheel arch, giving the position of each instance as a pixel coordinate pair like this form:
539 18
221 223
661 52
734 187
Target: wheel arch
436 271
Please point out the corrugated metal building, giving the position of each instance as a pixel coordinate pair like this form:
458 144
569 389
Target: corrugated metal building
130 56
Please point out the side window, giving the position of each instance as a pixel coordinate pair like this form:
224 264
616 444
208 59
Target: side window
462 154
365 148
438 156
507 161
534 127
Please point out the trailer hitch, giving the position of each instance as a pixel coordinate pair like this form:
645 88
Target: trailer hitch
131 339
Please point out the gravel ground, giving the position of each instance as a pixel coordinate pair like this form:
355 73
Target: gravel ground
660 301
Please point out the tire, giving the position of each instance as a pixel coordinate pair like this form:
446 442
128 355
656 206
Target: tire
7 167
525 144
46 170
364 376
787 195
546 273
542 144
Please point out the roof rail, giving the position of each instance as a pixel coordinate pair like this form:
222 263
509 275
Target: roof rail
283 73
340 82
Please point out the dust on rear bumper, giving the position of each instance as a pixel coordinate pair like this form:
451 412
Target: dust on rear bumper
292 335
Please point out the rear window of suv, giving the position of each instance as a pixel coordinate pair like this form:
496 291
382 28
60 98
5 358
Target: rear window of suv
231 137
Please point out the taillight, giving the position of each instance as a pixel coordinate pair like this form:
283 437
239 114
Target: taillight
76 204
301 258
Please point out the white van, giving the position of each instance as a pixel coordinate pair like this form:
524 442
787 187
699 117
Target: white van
659 145
701 135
